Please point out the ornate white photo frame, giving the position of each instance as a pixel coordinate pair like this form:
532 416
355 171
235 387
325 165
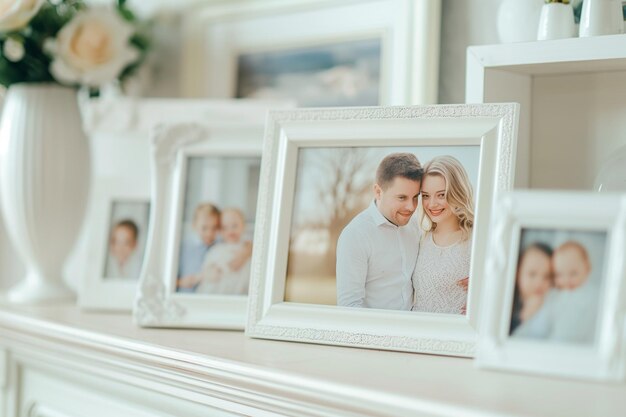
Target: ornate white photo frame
552 341
158 304
491 127
408 32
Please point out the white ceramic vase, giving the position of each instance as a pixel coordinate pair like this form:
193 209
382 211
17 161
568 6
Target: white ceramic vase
601 17
518 20
44 181
556 22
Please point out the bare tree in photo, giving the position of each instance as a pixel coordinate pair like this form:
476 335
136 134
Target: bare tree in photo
343 184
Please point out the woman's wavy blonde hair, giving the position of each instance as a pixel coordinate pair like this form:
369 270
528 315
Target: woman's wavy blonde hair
459 193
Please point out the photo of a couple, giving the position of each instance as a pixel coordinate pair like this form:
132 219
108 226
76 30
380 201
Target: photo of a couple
403 234
216 243
557 291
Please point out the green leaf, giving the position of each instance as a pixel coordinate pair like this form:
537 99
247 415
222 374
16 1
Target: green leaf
126 14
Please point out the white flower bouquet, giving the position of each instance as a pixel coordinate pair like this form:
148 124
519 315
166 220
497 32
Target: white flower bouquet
67 42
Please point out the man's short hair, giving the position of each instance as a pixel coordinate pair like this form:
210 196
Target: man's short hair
399 164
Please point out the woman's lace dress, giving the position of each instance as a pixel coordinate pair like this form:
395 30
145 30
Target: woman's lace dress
436 275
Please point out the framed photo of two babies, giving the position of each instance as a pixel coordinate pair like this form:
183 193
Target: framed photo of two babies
561 256
198 262
560 275
217 225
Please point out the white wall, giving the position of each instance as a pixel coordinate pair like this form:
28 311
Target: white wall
463 23
585 119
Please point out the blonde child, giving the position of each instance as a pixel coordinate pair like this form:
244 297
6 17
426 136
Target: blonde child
576 298
205 223
446 214
532 284
122 261
218 276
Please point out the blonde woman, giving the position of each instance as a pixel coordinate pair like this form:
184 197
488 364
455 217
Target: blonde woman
446 214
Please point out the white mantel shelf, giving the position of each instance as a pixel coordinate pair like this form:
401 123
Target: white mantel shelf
218 368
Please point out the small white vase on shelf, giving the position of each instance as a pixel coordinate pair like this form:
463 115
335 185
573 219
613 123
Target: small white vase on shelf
556 21
518 20
44 180
612 175
601 17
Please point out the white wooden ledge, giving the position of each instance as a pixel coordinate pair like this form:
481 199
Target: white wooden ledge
226 370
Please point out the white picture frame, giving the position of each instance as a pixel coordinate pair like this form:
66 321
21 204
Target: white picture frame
408 30
101 289
585 216
490 126
157 303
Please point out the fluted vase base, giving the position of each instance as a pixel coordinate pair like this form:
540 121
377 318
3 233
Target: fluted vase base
35 289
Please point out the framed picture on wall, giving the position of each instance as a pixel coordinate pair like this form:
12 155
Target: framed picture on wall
206 180
556 285
346 73
378 216
315 52
119 220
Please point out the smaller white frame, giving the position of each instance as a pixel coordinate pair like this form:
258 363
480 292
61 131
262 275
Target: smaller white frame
409 31
96 290
491 126
157 303
554 210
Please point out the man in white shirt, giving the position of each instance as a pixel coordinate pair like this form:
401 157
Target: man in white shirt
377 250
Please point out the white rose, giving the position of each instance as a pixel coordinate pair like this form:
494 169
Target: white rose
92 49
15 14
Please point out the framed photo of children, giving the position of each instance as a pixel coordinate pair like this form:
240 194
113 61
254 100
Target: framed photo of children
118 219
378 216
206 181
556 285
315 52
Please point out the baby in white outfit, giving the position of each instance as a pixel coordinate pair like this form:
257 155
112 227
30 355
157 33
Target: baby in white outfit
217 275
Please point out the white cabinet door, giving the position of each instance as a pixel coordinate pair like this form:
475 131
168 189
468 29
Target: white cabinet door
53 392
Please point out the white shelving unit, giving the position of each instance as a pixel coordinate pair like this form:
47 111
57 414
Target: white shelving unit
573 103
